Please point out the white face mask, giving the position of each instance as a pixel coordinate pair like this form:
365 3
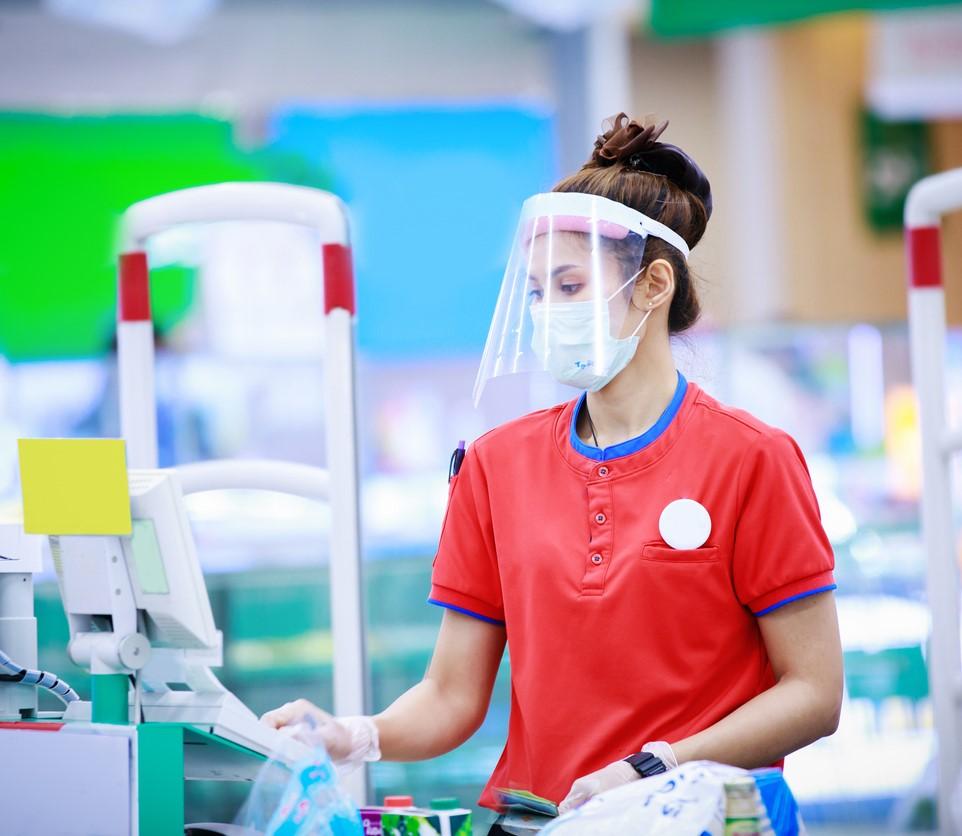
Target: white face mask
568 350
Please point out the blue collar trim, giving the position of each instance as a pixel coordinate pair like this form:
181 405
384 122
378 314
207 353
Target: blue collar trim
632 445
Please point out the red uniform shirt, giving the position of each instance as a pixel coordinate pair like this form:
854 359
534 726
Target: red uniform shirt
615 638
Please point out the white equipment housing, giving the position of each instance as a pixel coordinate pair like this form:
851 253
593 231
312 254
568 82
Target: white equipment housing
139 605
20 560
928 200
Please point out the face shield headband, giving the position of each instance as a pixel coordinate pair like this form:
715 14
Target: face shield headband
587 213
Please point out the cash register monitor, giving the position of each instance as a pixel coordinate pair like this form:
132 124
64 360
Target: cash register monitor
161 559
148 582
168 588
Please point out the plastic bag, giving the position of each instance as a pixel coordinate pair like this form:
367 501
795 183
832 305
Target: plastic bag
686 800
303 799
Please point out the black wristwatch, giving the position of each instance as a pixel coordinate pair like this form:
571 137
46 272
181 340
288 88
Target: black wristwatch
646 764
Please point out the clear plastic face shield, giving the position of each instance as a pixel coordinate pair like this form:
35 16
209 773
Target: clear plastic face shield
566 301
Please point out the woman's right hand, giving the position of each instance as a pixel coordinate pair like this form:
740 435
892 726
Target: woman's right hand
346 739
433 717
316 726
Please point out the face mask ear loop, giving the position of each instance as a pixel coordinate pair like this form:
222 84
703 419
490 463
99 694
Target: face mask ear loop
644 319
630 280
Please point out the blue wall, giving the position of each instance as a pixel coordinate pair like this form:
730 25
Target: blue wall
434 195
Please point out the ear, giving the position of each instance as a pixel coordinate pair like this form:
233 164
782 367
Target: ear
659 288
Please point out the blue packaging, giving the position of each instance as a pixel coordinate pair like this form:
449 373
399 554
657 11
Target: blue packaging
779 801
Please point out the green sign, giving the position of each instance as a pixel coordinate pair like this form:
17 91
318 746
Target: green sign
896 155
689 18
64 183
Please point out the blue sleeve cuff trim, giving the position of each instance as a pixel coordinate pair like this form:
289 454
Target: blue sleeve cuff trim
796 598
466 612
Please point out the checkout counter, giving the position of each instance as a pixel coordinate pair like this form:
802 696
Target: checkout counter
141 622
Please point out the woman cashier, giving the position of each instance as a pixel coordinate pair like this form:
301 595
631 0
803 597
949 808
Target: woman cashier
654 558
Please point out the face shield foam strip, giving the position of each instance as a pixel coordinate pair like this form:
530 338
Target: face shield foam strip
610 218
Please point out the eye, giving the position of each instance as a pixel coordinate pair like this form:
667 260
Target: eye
535 294
571 288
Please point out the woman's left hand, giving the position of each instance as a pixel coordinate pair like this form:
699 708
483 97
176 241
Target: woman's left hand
614 775
594 783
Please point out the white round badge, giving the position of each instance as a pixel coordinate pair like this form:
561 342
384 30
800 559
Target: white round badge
685 524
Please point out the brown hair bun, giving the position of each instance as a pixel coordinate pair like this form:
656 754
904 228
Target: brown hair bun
636 147
629 165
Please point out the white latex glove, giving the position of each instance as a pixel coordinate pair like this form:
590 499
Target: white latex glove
662 750
613 775
594 783
347 739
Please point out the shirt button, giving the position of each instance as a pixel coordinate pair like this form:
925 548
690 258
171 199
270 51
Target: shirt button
596 559
600 518
602 471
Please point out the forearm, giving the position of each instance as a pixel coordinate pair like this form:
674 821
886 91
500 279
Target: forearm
781 720
424 722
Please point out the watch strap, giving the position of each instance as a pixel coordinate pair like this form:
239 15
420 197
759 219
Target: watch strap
646 764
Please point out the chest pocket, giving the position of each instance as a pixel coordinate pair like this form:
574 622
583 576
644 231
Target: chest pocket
659 552
679 583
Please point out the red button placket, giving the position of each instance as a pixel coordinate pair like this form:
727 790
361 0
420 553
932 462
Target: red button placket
599 548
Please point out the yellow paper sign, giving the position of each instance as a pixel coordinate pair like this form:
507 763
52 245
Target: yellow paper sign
74 486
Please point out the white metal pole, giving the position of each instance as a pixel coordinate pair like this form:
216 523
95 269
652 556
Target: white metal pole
256 474
138 411
927 330
135 361
345 529
607 71
927 337
748 92
347 618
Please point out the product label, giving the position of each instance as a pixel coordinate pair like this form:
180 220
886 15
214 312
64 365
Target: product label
743 827
371 823
386 822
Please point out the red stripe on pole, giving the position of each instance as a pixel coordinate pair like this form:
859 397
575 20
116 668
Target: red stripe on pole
925 256
338 278
134 288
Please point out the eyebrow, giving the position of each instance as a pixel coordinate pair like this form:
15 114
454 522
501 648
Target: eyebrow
563 268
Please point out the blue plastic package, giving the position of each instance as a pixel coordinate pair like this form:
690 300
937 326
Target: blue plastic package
301 800
779 801
313 804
